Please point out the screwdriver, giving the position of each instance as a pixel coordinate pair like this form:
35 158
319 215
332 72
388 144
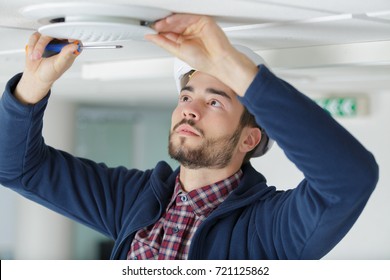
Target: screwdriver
55 46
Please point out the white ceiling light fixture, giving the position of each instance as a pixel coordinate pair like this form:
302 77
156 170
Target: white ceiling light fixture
94 23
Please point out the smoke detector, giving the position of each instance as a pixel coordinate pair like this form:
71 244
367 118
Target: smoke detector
91 22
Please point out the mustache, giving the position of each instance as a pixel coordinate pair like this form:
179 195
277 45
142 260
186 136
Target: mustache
190 123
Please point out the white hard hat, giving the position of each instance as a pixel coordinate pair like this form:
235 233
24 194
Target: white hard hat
181 68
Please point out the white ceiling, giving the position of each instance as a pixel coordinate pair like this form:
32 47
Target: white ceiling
319 46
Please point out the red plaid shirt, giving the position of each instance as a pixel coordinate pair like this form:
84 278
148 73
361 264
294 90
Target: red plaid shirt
170 238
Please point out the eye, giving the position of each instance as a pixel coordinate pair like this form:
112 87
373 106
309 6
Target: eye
215 103
184 98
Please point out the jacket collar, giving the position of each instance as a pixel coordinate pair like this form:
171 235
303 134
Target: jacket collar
163 182
252 188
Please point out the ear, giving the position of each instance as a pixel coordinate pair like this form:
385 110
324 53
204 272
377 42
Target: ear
252 137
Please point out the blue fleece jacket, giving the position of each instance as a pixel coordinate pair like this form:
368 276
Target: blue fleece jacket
255 222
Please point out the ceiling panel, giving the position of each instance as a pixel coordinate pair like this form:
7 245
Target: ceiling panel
320 31
333 6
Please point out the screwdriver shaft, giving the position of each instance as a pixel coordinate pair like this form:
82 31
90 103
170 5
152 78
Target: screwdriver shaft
102 47
55 47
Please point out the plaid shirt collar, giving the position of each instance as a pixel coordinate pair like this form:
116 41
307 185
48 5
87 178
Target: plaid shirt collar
205 199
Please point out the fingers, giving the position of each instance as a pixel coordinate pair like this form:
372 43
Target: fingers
194 39
31 44
177 23
188 28
36 45
167 41
175 32
65 58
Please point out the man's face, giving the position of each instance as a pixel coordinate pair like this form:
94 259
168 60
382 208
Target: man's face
205 124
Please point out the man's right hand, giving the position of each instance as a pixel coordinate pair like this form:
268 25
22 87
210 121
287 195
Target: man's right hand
40 73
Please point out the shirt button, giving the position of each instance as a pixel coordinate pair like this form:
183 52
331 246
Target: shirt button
184 198
175 229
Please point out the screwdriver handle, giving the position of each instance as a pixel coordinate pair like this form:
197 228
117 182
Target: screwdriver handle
55 46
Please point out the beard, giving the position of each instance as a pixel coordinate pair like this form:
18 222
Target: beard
213 153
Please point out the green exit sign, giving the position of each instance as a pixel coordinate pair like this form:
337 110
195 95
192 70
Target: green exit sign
349 106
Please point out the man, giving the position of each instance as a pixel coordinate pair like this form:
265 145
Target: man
215 206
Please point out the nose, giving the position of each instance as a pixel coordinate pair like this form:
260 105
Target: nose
190 111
